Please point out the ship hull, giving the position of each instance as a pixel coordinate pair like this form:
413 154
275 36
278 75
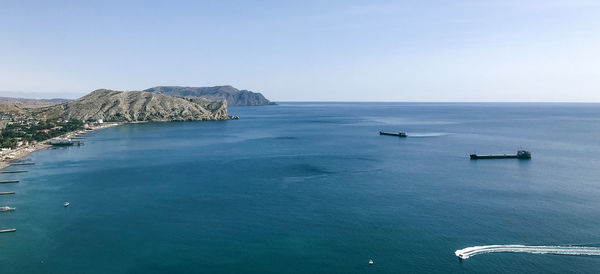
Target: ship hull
400 134
476 157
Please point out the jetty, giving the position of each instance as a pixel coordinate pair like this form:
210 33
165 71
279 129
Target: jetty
13 171
20 160
8 230
399 134
64 142
9 182
22 164
521 154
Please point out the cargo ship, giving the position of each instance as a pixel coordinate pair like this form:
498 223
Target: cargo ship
399 134
521 154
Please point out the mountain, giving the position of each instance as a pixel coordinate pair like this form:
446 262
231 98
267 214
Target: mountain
233 96
31 103
132 106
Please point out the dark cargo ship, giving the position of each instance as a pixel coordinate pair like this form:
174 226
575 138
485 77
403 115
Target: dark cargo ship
521 154
399 134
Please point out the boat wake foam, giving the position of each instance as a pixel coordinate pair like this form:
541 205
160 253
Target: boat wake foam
465 253
425 135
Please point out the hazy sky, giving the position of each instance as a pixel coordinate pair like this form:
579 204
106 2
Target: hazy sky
307 50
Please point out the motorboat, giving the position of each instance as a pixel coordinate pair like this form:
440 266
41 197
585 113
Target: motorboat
6 208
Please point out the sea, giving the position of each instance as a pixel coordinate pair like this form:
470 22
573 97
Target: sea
313 188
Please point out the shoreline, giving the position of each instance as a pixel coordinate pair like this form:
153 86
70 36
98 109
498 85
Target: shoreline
24 151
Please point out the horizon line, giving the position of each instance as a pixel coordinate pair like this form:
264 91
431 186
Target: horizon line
459 102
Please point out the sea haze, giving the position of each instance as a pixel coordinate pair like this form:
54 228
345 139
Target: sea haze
313 188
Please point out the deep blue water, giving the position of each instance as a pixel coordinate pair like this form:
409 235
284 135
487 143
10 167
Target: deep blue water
313 188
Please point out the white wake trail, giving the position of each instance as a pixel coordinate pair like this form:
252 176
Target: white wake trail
425 135
465 253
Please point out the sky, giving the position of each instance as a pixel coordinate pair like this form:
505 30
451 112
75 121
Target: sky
463 50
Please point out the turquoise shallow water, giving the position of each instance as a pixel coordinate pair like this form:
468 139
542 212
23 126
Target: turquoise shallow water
312 188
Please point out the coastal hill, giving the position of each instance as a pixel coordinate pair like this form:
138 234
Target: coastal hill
234 97
12 108
132 106
30 103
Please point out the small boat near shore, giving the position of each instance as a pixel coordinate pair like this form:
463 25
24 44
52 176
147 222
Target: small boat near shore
521 154
399 134
6 208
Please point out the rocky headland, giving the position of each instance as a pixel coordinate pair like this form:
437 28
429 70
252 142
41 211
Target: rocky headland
233 96
134 106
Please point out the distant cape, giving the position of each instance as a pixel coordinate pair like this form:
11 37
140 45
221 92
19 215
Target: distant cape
233 96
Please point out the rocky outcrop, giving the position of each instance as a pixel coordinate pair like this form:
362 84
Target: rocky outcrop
233 96
132 106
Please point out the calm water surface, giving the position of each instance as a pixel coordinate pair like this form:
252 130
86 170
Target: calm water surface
313 188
